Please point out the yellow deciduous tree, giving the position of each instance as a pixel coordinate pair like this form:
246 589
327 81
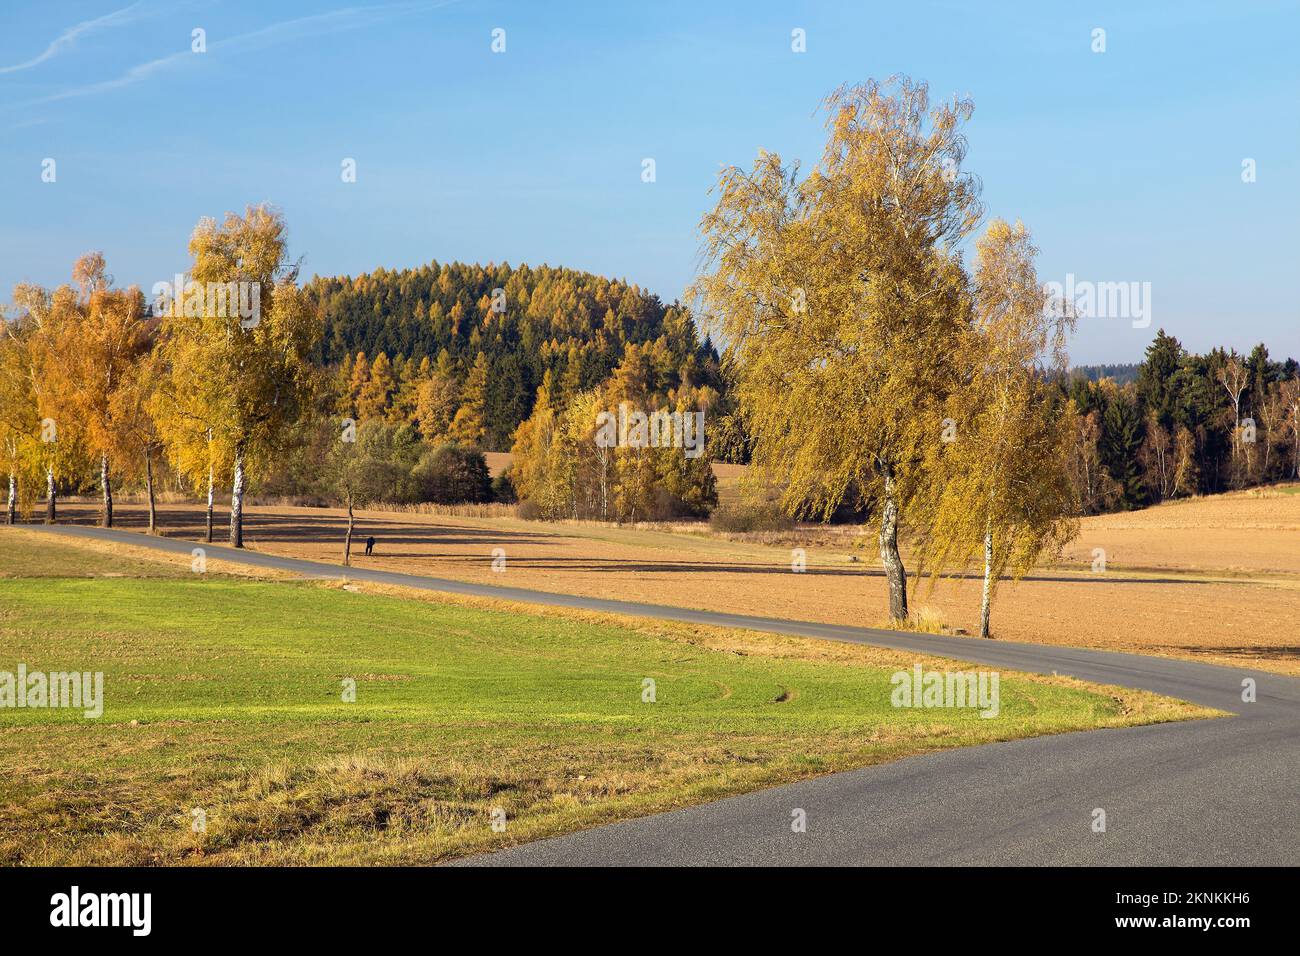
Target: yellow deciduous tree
467 426
841 297
372 400
435 403
136 428
543 456
39 333
103 339
186 409
254 375
19 423
1001 484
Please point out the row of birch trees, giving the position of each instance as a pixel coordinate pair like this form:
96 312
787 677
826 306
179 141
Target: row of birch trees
88 374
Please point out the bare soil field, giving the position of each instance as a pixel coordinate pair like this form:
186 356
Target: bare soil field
1215 579
1254 533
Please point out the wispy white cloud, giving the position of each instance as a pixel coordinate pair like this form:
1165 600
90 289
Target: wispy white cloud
319 24
36 121
134 75
69 37
334 21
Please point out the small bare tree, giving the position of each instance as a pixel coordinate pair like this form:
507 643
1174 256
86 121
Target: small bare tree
1157 458
1234 377
1289 400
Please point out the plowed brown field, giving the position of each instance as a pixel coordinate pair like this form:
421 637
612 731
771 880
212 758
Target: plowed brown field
1216 579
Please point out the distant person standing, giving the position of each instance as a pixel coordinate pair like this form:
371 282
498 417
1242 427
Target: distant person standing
370 544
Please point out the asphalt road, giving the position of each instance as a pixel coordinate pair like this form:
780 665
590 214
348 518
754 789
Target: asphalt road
1208 792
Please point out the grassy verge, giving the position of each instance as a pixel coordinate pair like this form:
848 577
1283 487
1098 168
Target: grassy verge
225 694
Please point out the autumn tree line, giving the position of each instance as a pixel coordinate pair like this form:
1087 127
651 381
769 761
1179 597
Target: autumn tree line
95 382
1147 432
423 345
526 360
888 353
104 388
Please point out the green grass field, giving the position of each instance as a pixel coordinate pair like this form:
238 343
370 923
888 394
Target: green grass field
225 694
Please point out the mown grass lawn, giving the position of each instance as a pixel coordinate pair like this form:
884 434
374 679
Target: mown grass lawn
226 695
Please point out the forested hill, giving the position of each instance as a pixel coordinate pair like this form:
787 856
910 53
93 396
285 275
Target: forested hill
541 311
524 321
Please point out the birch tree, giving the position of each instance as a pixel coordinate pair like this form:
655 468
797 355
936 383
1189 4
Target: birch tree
19 423
355 476
258 367
1003 490
1235 378
42 351
841 298
1289 400
186 410
135 426
98 347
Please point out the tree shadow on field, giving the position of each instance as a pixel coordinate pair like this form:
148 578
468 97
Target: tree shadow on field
620 566
290 529
1245 651
332 528
410 539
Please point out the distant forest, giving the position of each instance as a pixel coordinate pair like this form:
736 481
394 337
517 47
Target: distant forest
1181 424
1121 374
1172 425
436 363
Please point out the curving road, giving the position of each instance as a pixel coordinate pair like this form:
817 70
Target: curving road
1208 792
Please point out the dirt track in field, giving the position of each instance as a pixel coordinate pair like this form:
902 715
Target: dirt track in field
1213 579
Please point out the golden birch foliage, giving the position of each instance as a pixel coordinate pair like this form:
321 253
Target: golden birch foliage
1003 473
260 374
543 460
590 468
187 412
529 452
43 329
19 423
137 431
840 296
102 341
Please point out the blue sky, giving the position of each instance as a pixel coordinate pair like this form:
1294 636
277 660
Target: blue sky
1125 164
